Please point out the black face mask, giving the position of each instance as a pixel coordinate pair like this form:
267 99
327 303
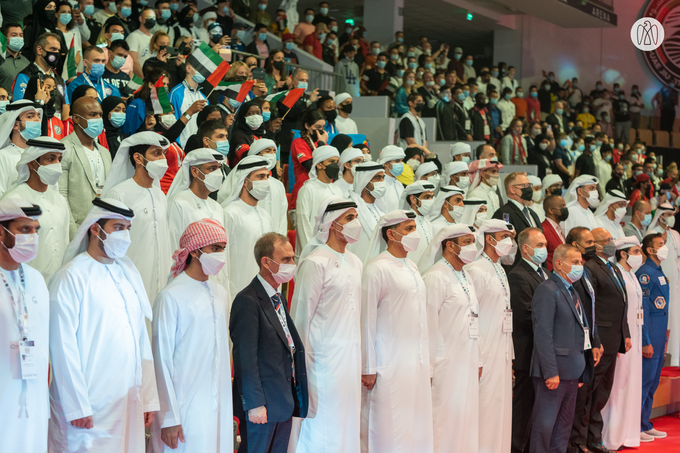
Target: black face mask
278 65
563 215
347 108
332 171
314 135
556 192
527 193
150 23
330 115
419 107
52 58
589 252
51 16
215 38
618 175
184 49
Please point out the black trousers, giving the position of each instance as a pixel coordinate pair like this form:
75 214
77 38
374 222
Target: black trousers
523 395
667 119
553 413
267 438
590 400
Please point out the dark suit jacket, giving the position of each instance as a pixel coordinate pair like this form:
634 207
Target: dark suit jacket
262 366
611 306
478 125
555 124
523 283
554 241
558 335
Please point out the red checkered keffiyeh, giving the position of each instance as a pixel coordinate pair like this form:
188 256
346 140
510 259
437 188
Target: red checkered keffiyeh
197 235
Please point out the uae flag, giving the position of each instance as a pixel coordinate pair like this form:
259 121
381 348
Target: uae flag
135 84
209 64
159 98
3 43
289 97
243 88
71 60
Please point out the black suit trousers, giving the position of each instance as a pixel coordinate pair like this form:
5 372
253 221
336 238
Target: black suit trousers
590 401
523 395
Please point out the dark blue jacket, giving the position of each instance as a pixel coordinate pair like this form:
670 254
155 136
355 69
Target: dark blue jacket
655 298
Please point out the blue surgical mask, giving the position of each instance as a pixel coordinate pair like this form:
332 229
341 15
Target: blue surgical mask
469 62
266 116
394 57
197 77
581 148
117 62
400 39
381 64
323 11
427 65
540 255
322 37
3 106
413 65
446 99
126 11
234 104
466 93
494 101
563 142
165 14
117 36
397 169
461 96
508 96
309 17
647 220
262 36
442 82
174 6
494 74
400 73
534 94
457 56
411 54
608 157
290 45
97 70
223 147
32 130
466 159
196 18
117 119
262 6
559 111
575 273
15 43
65 18
303 85
94 127
143 2
113 8
89 10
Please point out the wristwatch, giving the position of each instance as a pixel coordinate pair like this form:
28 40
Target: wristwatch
40 101
187 116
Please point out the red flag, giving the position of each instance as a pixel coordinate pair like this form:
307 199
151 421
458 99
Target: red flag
545 76
217 76
292 97
245 89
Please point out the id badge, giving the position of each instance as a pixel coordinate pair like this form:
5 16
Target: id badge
487 130
586 339
473 323
467 125
640 317
507 321
29 370
99 191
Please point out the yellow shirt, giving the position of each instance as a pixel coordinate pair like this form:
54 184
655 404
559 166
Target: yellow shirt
406 176
587 119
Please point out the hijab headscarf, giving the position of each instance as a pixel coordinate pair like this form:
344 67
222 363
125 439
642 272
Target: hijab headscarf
241 125
113 134
341 142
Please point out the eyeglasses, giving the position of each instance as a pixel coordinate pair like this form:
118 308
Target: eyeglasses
523 186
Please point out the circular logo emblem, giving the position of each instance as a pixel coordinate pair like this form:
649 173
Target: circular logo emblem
647 34
108 91
57 130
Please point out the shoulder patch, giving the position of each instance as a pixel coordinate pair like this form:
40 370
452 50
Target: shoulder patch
644 279
300 155
645 292
660 302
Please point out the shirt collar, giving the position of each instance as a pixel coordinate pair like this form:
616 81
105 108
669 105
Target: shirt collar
267 287
531 263
566 283
518 204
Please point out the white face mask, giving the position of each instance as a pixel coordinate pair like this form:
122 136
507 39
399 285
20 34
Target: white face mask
351 231
434 180
669 221
480 217
503 247
25 247
212 263
536 196
492 181
260 189
463 182
468 253
543 146
49 174
413 163
425 207
368 157
167 121
410 241
116 244
634 261
457 212
271 159
593 198
379 189
254 121
662 253
156 168
619 213
285 273
212 180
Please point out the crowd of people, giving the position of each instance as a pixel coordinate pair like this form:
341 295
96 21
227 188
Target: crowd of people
161 280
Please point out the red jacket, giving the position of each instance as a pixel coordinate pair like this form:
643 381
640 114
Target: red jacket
554 241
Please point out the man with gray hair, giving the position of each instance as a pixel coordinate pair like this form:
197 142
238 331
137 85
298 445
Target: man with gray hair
270 378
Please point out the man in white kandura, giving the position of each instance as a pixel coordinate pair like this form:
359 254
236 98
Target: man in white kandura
103 394
447 209
484 183
191 349
582 195
188 197
324 171
326 309
134 178
24 332
621 415
19 123
349 159
610 213
369 187
39 170
396 409
276 204
392 158
495 329
419 197
453 324
244 220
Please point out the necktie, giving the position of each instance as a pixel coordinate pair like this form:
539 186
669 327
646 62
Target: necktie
281 314
616 277
541 273
528 216
577 302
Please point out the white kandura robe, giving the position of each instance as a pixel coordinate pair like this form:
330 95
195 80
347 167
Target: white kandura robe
54 227
369 215
244 224
621 414
671 268
495 386
614 227
394 189
150 250
276 204
9 158
309 199
193 370
424 228
25 407
578 217
439 223
396 415
101 358
327 316
455 358
345 186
